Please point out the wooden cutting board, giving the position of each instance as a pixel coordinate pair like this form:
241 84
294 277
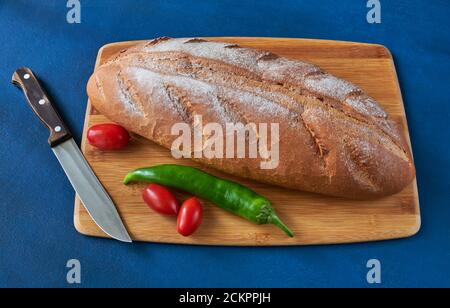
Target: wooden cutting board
315 219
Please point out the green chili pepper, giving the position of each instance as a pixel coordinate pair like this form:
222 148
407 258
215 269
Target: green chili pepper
228 195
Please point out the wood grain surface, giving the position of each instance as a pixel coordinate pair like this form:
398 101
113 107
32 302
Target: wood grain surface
315 219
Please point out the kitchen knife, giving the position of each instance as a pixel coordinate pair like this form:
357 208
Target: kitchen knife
94 197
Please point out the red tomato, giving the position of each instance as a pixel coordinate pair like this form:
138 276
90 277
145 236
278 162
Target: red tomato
108 136
161 200
189 217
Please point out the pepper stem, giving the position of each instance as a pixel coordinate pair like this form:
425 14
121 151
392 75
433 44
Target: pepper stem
274 219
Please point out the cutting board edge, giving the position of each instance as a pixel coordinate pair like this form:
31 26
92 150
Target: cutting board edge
250 37
414 230
383 48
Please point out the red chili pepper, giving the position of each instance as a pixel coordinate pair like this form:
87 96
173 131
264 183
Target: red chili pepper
189 217
108 136
161 200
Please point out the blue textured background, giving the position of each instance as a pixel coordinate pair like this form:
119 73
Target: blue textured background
36 201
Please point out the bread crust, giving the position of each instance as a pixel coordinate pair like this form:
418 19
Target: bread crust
334 138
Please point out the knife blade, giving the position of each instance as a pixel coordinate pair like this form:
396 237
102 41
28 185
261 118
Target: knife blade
87 186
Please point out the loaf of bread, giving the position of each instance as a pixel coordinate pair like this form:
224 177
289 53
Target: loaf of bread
333 138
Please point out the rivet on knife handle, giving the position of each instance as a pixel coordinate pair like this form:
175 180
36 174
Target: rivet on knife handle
41 105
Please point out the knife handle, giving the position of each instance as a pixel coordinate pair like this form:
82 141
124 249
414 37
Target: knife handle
41 105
